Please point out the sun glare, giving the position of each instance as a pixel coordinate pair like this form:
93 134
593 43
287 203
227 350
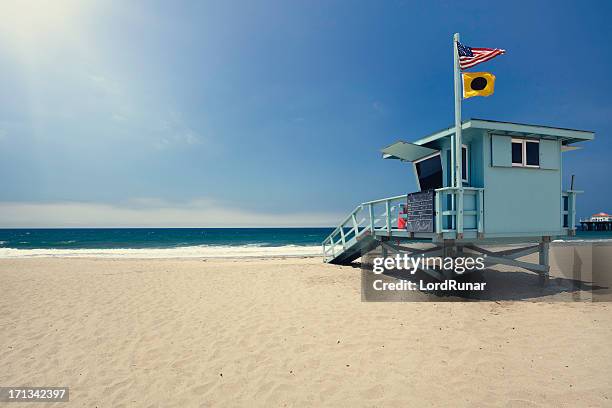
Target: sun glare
32 20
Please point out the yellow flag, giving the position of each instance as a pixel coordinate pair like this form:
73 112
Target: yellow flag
478 84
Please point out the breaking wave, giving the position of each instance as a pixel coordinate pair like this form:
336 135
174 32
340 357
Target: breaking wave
201 251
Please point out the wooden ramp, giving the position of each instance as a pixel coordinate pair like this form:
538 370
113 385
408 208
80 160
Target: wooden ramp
361 231
354 249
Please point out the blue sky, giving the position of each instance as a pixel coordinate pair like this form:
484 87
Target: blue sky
271 112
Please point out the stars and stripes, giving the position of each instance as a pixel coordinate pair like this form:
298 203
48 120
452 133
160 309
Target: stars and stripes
469 57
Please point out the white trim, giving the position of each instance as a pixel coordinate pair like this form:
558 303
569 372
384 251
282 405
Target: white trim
427 157
523 143
522 152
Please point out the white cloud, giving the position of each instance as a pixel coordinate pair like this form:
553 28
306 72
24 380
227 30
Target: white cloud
105 85
142 114
150 213
118 117
175 131
178 138
378 106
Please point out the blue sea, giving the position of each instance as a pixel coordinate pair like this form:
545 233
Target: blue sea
176 242
162 242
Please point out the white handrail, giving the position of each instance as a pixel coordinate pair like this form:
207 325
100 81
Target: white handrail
357 228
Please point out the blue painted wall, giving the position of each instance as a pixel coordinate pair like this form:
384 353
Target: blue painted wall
517 200
522 200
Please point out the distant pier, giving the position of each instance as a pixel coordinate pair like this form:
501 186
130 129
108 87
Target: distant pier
597 222
588 225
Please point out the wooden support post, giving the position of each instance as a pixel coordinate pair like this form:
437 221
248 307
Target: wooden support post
544 247
449 250
447 246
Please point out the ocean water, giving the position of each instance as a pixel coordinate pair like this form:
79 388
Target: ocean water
590 236
161 242
178 242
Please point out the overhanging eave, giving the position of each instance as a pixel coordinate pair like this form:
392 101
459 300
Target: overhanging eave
407 151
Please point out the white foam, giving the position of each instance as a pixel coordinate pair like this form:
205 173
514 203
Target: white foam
569 241
204 251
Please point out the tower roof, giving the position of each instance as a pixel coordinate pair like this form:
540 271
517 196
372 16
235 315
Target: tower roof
567 136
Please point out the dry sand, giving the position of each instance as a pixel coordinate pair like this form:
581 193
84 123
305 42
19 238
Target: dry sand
290 332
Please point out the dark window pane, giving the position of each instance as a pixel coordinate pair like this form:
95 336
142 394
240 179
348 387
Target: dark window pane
565 221
565 203
517 153
533 153
430 173
464 163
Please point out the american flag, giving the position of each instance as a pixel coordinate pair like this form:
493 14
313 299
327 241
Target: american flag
469 57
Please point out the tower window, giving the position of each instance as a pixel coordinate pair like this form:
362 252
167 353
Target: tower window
525 153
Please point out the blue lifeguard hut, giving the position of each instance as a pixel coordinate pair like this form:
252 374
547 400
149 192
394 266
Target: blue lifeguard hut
480 182
510 191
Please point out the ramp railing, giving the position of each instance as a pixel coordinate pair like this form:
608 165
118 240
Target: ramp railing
379 217
368 217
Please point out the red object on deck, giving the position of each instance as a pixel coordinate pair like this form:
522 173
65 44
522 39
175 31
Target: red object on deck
401 221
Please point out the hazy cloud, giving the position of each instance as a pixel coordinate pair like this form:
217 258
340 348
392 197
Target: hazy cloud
173 130
378 106
149 213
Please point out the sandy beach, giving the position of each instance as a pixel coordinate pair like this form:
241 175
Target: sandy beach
285 332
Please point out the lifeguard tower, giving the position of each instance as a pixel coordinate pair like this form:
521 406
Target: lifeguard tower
510 191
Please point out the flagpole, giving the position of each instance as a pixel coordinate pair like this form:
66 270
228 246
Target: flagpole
457 177
457 146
